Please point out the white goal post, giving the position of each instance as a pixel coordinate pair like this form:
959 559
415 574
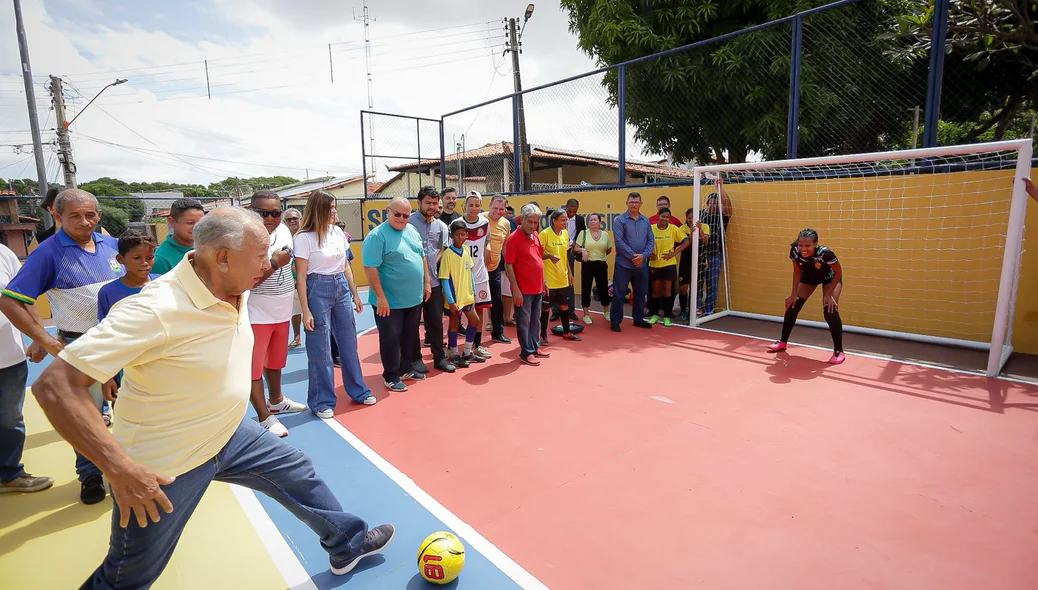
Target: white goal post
930 240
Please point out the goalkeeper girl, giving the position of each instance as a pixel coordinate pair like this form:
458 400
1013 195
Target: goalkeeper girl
814 265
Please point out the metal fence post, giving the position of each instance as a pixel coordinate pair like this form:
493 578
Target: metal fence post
443 160
418 136
517 174
796 57
936 78
621 102
363 155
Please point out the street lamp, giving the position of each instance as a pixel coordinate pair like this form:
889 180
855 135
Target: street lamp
529 11
117 82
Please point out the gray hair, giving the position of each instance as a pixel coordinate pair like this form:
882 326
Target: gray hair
74 195
293 210
528 210
226 228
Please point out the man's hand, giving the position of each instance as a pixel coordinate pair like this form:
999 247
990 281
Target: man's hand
281 258
669 255
427 292
555 259
454 309
36 353
136 489
383 306
110 390
638 260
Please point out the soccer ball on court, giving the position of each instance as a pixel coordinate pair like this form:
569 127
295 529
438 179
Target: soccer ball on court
441 557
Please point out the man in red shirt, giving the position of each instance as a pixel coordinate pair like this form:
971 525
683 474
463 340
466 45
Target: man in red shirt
664 203
524 265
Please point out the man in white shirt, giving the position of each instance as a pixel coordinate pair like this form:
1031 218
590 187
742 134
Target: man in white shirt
185 346
14 370
270 310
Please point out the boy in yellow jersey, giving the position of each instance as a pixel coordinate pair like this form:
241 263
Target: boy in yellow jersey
557 276
459 294
663 266
691 226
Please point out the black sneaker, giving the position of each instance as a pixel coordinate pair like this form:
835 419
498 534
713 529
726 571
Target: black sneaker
474 358
460 362
645 325
502 339
375 542
92 490
445 366
419 367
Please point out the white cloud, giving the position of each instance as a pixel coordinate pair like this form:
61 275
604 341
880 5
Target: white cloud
272 102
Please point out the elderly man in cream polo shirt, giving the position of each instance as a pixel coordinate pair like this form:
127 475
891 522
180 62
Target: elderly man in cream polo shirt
185 344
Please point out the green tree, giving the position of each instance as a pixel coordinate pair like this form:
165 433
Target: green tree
732 97
990 67
113 218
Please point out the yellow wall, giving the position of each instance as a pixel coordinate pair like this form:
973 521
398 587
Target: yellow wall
946 234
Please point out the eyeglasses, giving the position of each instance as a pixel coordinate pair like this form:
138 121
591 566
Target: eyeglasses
291 219
264 213
400 215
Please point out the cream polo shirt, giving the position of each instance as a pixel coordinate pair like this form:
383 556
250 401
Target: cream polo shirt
187 358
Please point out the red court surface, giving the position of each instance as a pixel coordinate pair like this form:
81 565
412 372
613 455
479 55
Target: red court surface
679 458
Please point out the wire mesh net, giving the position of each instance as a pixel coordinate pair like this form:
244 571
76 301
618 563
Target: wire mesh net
479 148
401 154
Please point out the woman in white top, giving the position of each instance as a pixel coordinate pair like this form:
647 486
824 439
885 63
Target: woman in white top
593 246
327 291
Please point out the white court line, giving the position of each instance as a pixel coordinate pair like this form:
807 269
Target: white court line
477 541
280 553
974 373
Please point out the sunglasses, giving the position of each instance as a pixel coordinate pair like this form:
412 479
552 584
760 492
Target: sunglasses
264 213
399 215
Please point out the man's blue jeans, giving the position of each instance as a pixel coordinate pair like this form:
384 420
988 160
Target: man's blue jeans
331 303
12 426
84 467
397 334
528 323
622 277
253 458
708 298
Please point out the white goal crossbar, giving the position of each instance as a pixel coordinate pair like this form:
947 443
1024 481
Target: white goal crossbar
1000 346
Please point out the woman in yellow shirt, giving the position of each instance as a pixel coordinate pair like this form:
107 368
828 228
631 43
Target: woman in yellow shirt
594 245
557 277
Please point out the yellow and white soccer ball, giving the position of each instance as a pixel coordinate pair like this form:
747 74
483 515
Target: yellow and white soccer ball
441 557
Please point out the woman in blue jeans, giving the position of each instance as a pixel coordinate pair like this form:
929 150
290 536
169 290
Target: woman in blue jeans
327 292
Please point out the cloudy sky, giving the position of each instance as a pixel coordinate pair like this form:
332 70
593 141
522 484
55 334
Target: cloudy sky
274 109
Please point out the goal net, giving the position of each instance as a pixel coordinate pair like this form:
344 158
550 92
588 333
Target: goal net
929 240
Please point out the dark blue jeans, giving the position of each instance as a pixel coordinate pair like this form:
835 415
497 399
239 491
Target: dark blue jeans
497 303
639 279
253 458
528 323
84 467
331 303
397 334
708 298
12 426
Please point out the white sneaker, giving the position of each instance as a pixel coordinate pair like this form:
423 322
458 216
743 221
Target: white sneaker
369 401
285 406
325 414
275 426
587 318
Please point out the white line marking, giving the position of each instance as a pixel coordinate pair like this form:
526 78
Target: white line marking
975 373
475 540
280 553
660 398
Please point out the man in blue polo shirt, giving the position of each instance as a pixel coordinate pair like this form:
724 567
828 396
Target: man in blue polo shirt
394 263
632 235
70 269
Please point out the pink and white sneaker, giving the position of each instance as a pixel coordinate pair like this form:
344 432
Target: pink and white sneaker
837 358
777 346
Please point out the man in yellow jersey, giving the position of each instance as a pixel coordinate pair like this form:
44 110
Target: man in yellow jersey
663 266
557 276
500 229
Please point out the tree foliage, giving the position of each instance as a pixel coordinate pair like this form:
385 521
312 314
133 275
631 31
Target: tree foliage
864 67
114 218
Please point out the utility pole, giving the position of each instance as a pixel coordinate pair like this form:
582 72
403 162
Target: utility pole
68 161
514 39
367 65
523 148
30 98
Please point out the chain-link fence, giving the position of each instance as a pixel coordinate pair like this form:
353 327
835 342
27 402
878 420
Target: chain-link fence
848 77
401 154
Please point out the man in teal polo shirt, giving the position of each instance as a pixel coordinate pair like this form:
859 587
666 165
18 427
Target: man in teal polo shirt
183 215
394 263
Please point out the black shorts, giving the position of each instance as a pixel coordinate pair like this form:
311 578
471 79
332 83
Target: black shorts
560 296
664 273
814 283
